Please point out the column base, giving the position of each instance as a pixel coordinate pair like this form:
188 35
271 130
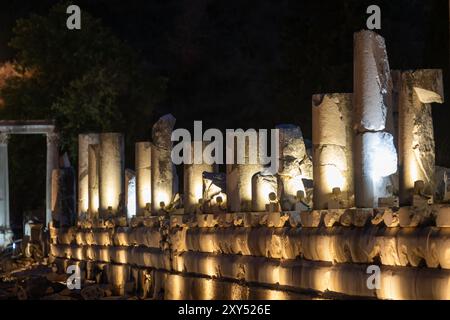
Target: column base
6 237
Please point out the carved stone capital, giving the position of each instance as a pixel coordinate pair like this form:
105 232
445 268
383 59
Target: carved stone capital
4 138
52 138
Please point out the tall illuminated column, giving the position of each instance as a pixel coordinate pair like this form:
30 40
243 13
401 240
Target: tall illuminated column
52 164
5 231
419 89
193 182
93 183
111 174
84 140
375 156
163 169
143 154
332 116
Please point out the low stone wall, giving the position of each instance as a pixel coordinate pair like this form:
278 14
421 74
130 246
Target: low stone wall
209 251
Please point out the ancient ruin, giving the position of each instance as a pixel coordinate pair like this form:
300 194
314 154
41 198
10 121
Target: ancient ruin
315 226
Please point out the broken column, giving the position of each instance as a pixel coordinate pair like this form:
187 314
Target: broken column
193 182
84 140
5 231
52 164
214 196
93 183
130 193
419 89
332 116
239 175
143 177
163 172
375 156
263 185
63 197
296 166
111 175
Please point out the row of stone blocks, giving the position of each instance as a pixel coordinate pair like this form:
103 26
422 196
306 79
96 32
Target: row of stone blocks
297 275
415 247
430 215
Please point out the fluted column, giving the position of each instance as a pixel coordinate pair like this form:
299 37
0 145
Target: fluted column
84 140
4 182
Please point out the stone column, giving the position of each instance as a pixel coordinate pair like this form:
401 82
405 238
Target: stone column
111 174
143 154
52 164
130 193
239 179
295 165
5 232
419 89
375 156
163 170
332 116
193 182
93 183
84 140
262 185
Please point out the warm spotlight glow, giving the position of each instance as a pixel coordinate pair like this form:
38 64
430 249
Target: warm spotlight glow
334 178
162 197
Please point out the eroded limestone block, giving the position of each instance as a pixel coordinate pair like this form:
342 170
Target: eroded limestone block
311 219
332 134
262 186
443 217
295 165
420 88
372 82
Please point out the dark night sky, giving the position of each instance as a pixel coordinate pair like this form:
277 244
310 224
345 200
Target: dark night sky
257 63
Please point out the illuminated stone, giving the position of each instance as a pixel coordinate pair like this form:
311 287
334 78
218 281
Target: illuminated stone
239 181
420 88
375 155
332 148
164 184
375 163
295 165
130 193
262 186
193 183
143 177
84 141
93 182
214 197
111 175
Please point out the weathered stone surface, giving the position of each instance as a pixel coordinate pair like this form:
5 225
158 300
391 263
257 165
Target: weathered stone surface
93 181
63 197
295 165
84 141
193 184
164 180
111 174
420 88
372 82
162 132
332 147
375 162
130 193
143 177
262 186
214 185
